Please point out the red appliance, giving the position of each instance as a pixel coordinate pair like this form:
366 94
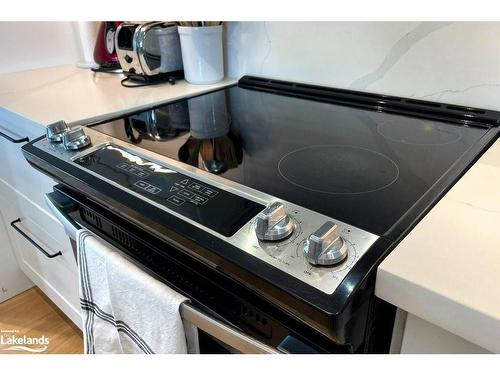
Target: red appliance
104 50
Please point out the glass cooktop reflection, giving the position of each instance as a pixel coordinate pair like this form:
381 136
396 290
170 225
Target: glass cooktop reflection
363 167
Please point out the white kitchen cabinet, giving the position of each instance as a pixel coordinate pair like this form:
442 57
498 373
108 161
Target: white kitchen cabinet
14 169
22 189
56 276
413 335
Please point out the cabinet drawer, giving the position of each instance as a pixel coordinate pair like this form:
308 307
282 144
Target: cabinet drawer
14 169
56 276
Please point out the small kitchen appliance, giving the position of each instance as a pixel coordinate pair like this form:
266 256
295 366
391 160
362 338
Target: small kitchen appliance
149 51
104 50
281 248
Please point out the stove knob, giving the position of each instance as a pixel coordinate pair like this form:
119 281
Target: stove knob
55 131
75 139
325 247
273 224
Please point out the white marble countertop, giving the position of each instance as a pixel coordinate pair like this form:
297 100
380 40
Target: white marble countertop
68 93
447 270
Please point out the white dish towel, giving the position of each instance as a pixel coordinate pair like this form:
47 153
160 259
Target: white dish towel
124 309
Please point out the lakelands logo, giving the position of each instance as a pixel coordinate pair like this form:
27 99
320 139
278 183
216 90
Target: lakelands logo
11 340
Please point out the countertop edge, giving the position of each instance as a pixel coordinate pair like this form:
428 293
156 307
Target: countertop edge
445 313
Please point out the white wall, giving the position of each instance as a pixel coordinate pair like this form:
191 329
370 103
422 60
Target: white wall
31 45
450 62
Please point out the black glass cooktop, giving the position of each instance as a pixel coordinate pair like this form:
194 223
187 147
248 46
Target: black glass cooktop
364 167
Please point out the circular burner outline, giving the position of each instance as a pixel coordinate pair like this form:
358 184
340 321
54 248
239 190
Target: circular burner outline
455 140
332 192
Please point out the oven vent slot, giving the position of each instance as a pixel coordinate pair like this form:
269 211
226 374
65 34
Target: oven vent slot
124 239
91 217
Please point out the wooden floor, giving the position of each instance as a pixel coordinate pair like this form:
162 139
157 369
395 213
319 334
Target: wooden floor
32 314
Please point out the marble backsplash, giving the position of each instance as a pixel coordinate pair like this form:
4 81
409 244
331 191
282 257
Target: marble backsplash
453 62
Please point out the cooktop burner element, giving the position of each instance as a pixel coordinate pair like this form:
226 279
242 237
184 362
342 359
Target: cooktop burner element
423 133
338 169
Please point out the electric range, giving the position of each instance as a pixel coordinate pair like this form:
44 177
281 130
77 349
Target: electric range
291 193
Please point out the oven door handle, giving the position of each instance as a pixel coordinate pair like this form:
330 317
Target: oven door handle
223 332
59 206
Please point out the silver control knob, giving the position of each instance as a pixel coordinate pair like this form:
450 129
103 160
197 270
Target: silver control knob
75 139
273 224
55 131
325 247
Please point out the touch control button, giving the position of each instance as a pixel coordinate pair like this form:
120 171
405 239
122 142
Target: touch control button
153 189
196 199
176 200
141 184
196 186
186 193
211 193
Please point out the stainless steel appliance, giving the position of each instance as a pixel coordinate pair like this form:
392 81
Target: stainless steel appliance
283 246
149 51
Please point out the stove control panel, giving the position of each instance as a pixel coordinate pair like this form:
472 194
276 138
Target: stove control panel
315 249
216 209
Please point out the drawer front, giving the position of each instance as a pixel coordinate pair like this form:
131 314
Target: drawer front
56 276
15 170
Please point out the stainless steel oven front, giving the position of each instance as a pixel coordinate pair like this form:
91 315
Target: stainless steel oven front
237 327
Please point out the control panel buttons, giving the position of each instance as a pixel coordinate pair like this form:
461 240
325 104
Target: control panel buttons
55 131
186 193
325 247
196 186
211 193
273 224
141 184
75 139
176 200
147 187
196 199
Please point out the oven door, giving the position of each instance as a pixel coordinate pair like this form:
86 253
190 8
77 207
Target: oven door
217 334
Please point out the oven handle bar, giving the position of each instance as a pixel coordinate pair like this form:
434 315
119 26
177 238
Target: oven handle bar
223 332
214 327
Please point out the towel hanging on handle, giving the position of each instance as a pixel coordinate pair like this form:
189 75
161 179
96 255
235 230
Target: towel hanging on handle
124 309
